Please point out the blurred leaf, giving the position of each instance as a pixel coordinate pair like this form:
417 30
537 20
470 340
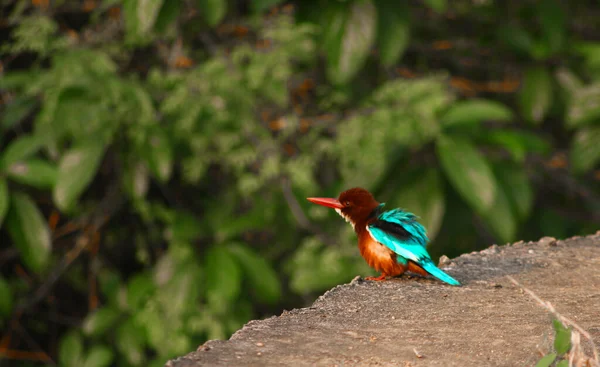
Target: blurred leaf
472 111
423 195
76 169
139 289
213 11
160 156
563 363
568 80
349 37
501 217
585 149
130 342
515 184
110 285
4 199
263 279
562 339
468 172
517 38
6 299
517 143
99 356
34 172
136 180
29 232
583 107
552 19
223 276
140 15
547 360
184 227
261 5
535 96
97 323
168 13
71 350
15 111
438 6
21 148
393 31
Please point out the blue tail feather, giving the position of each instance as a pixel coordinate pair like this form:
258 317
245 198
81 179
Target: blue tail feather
433 270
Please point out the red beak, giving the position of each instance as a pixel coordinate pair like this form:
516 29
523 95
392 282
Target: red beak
331 203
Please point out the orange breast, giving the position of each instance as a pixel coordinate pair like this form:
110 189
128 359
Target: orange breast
378 256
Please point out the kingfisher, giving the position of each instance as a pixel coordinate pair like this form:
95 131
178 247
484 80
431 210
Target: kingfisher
391 241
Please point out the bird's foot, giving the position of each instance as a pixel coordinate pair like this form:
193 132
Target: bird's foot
379 278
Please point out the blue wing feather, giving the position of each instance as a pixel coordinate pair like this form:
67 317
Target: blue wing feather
401 233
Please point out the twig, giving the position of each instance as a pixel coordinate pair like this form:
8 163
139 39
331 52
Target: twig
298 213
548 306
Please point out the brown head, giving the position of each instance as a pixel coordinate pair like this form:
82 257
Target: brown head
355 205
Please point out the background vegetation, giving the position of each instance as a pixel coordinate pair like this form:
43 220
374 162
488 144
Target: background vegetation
156 154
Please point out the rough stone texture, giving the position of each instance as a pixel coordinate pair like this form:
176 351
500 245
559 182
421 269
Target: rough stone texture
487 322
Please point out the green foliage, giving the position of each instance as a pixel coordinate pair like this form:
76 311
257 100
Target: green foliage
176 141
562 345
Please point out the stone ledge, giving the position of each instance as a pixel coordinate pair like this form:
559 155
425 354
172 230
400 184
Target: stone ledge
422 322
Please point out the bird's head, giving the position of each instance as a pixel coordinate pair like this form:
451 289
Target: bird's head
355 205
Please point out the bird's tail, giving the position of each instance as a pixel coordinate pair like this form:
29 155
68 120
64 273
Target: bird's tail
433 270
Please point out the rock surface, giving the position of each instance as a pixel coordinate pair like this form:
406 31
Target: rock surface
412 321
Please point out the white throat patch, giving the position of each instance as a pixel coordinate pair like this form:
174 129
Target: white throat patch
339 211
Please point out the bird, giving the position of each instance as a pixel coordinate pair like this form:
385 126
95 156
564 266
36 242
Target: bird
391 241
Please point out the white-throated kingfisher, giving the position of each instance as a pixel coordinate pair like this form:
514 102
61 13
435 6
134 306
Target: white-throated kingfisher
391 241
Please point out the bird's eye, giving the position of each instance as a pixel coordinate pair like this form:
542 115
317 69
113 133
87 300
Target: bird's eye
346 203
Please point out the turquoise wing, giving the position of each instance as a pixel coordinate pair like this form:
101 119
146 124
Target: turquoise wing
399 231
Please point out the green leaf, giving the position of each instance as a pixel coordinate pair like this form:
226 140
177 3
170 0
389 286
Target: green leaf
160 155
21 148
140 16
34 172
130 342
393 31
99 356
438 6
6 298
423 195
213 11
349 37
553 24
71 350
468 172
97 323
517 38
474 111
261 5
29 232
139 289
515 184
563 363
562 338
4 199
136 180
223 276
169 11
185 227
535 96
547 360
76 169
263 279
583 106
500 217
15 111
517 143
585 149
